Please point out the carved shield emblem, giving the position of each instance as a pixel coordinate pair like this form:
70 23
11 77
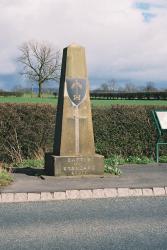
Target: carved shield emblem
76 89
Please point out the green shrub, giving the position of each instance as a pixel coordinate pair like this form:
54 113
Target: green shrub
163 159
111 166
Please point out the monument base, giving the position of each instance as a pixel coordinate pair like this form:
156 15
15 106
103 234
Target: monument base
74 165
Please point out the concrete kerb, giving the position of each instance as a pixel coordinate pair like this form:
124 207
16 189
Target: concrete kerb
83 194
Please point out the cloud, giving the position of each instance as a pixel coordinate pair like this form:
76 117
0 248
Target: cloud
123 39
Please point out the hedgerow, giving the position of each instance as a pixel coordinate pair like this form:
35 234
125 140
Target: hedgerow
9 93
155 95
124 130
27 131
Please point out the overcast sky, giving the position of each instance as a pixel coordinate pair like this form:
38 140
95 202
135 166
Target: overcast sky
124 39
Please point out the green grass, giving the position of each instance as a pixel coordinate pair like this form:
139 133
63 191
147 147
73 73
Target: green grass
163 159
30 163
44 100
139 160
128 102
5 177
111 167
115 160
53 101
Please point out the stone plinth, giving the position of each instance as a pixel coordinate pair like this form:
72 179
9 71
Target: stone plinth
74 165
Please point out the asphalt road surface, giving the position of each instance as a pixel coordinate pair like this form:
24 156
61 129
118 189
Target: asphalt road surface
124 223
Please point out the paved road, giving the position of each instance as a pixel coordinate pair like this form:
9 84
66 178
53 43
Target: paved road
138 223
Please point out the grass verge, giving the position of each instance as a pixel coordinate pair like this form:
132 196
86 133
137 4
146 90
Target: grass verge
5 177
30 163
111 164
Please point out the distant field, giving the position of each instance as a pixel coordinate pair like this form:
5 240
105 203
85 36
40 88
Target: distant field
53 101
44 100
128 102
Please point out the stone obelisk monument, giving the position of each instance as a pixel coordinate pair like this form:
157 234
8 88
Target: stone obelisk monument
73 150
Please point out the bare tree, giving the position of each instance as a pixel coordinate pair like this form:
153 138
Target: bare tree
130 87
112 85
104 87
41 63
150 87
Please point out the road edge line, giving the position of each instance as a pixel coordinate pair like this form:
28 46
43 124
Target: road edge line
82 194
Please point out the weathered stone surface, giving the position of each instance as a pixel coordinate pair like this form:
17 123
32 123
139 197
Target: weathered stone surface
59 195
74 150
20 197
110 192
147 191
73 68
136 192
7 197
72 194
122 192
158 191
98 193
74 165
86 194
166 190
46 196
34 196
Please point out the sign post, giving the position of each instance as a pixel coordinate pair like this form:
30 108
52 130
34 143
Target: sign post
160 118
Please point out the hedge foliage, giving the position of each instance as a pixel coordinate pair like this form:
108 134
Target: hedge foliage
156 95
27 131
125 130
9 93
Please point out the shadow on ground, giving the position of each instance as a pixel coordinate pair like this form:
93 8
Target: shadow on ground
29 171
